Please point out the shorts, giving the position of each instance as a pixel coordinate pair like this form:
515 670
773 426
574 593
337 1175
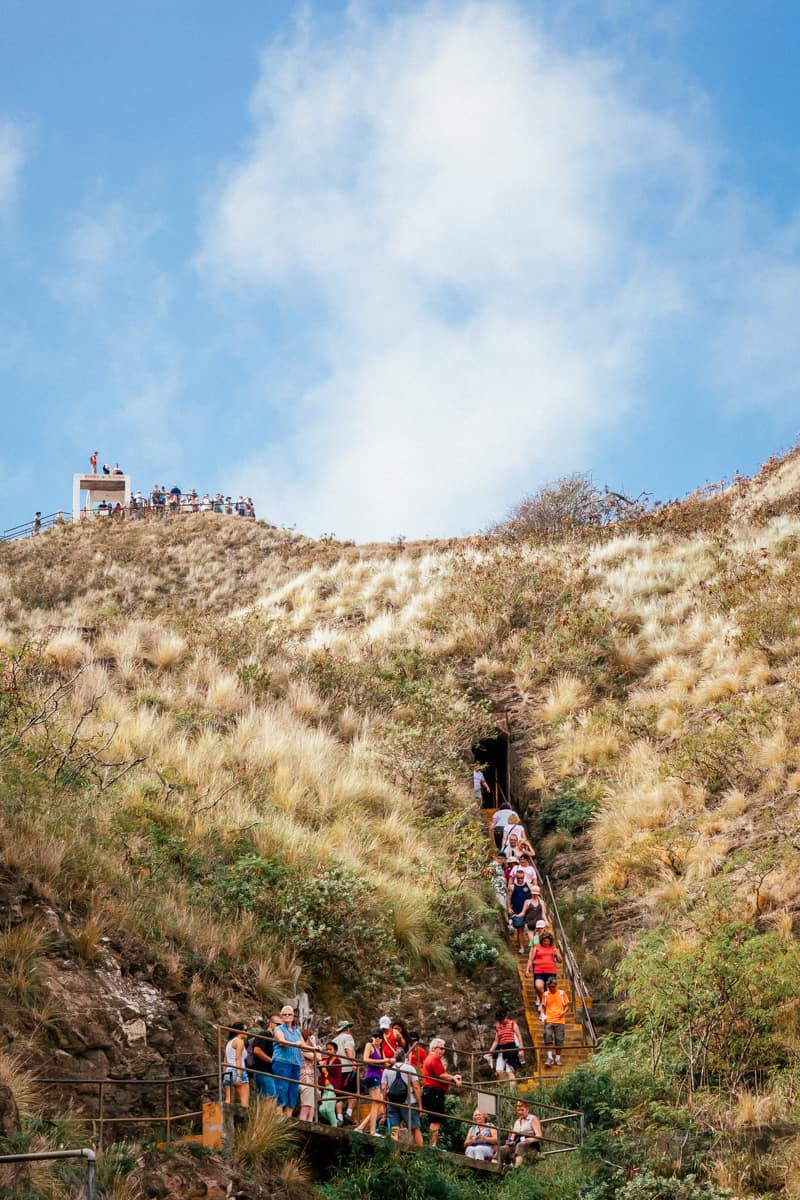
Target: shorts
372 1085
396 1115
554 1034
286 1090
433 1101
264 1085
518 922
307 1095
349 1083
543 978
498 837
510 1056
234 1078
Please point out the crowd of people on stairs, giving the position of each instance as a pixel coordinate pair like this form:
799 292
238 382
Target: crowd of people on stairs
393 1081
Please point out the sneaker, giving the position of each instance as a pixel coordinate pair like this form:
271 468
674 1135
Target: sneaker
558 1060
347 1119
548 1062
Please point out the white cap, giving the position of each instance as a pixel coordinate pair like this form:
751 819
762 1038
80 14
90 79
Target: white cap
541 924
385 1023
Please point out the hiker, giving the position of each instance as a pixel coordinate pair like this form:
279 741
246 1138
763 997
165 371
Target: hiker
37 522
403 1097
93 462
481 1139
436 1080
261 1052
373 1069
308 1076
519 899
513 836
346 1049
416 1052
531 878
524 1138
396 1038
330 1082
535 915
287 1058
542 962
117 470
554 1009
499 822
234 1077
106 469
480 787
508 1042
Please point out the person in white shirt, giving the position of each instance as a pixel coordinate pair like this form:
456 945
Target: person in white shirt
480 788
499 822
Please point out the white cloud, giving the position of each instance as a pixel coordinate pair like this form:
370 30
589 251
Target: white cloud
486 227
11 161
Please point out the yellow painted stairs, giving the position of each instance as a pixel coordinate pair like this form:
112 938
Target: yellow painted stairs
579 1036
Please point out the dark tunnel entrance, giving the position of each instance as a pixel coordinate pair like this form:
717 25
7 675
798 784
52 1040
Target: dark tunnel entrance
492 755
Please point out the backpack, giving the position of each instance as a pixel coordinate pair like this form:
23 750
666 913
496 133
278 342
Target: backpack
249 1058
397 1092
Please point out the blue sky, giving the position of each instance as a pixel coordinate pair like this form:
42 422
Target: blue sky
385 268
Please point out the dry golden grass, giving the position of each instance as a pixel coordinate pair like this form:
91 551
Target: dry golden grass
15 1075
705 857
265 1137
67 650
564 697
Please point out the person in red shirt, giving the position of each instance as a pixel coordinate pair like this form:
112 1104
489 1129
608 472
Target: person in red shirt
542 964
436 1080
417 1052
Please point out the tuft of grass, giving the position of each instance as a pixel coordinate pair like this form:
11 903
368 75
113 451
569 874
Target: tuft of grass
87 939
565 696
295 1177
14 1075
265 1137
21 960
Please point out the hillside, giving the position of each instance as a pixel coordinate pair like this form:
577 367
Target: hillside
234 763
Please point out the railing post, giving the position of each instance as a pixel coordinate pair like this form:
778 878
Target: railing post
91 1178
100 1114
219 1065
166 1109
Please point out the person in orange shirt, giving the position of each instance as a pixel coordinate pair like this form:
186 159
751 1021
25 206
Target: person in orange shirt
555 1006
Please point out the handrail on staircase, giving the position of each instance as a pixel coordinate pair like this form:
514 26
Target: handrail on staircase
26 528
578 987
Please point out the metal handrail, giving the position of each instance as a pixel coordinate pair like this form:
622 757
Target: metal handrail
26 528
41 1155
579 989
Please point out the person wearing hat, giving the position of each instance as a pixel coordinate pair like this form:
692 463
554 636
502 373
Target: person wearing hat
519 899
536 911
346 1049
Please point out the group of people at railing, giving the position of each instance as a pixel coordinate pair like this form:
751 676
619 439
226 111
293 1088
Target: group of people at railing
160 502
392 1083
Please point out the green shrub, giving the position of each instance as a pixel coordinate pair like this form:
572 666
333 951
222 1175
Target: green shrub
570 809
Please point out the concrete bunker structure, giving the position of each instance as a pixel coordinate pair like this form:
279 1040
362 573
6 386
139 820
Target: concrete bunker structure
99 489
